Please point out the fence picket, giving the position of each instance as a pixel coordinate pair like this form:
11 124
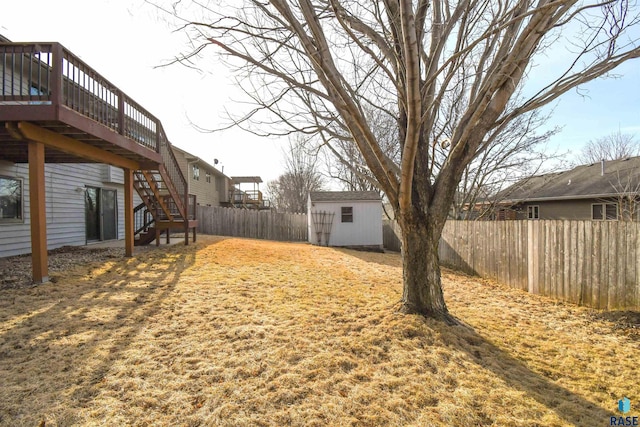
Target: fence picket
252 224
591 263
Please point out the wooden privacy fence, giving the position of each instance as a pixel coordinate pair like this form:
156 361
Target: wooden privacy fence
391 235
593 263
254 224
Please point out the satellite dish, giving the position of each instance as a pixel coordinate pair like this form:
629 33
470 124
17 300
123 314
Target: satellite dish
215 161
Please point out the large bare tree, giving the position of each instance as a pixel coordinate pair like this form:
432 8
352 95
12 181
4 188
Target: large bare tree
614 146
301 176
319 66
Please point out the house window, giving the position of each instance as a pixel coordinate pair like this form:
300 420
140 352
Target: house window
10 199
604 211
208 177
347 213
533 212
35 91
196 172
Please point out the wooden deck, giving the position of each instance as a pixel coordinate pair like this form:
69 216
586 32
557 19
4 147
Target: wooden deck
48 86
54 108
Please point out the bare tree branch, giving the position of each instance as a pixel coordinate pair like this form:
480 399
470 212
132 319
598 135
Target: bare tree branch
615 146
451 75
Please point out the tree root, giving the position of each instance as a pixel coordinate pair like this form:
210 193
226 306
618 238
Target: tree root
439 315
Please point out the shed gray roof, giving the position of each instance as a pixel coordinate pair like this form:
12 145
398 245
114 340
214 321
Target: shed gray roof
343 196
581 182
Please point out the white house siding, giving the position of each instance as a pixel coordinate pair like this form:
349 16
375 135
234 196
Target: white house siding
64 191
365 230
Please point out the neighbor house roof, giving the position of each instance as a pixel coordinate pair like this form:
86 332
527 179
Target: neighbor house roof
602 179
197 160
343 196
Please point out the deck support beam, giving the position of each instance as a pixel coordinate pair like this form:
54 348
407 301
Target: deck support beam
38 213
128 213
71 146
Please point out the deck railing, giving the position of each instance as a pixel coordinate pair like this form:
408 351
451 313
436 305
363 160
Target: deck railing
35 74
26 73
172 168
245 196
252 198
48 74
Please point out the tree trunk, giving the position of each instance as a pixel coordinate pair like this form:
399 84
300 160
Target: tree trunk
422 286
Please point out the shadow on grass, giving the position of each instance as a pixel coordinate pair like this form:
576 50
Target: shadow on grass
390 259
59 340
394 259
624 322
567 405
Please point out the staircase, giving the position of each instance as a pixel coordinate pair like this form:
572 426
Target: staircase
166 205
56 99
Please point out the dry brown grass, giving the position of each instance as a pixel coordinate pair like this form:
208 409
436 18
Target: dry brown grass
236 332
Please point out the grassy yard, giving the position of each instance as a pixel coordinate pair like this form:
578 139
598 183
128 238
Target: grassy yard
235 332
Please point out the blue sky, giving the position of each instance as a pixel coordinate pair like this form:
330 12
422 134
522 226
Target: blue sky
599 108
125 41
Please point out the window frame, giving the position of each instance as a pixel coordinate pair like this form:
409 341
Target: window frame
346 214
34 90
603 210
21 218
533 212
196 172
207 176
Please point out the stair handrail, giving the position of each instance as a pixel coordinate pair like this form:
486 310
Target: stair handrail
142 221
172 168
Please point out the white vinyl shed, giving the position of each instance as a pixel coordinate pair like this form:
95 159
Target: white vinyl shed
345 218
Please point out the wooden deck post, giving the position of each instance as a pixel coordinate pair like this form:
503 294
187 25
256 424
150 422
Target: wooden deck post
186 216
38 212
128 213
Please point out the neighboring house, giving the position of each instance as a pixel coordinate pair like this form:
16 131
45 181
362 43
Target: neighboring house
609 190
345 218
246 193
84 204
209 185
